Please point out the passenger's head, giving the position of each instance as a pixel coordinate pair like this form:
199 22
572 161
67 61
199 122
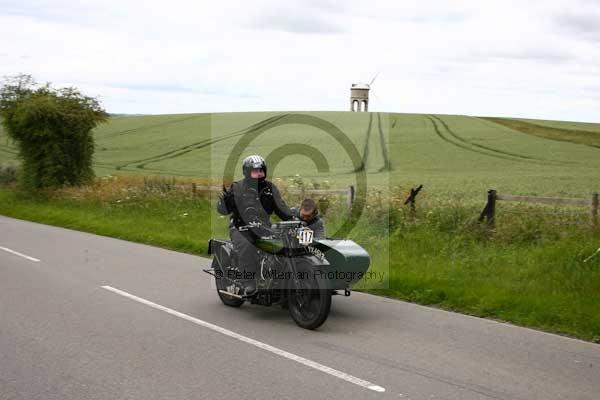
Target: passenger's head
308 209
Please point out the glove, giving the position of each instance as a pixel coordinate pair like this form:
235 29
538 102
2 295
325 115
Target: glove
262 231
226 202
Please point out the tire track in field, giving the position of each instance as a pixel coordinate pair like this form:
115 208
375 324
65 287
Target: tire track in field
8 150
159 171
462 146
467 146
250 129
365 155
456 136
132 130
141 164
103 164
172 153
387 166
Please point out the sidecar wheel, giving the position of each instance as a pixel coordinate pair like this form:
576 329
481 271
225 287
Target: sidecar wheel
310 302
220 282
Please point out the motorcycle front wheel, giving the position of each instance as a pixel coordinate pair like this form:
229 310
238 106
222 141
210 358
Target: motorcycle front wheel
309 300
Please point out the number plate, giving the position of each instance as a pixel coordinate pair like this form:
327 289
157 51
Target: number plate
305 236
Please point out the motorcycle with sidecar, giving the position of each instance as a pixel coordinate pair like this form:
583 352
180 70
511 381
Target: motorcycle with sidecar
295 271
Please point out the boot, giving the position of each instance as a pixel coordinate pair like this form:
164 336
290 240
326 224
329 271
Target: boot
249 286
248 280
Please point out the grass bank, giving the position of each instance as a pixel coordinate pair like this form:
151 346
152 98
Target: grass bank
181 223
529 270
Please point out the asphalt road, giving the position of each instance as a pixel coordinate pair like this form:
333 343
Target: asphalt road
64 336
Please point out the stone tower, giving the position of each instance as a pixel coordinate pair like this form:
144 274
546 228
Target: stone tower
359 97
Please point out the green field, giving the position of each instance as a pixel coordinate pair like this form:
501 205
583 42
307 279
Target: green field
453 156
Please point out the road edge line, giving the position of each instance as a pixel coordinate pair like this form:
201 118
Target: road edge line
16 253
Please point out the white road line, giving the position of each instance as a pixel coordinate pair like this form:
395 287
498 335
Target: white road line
261 345
16 253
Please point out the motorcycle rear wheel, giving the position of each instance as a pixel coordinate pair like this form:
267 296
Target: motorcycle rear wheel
220 283
309 301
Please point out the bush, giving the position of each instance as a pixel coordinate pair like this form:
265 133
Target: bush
52 129
8 174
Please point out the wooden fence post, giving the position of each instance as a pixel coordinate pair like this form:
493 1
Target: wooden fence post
350 199
594 210
489 211
323 205
412 197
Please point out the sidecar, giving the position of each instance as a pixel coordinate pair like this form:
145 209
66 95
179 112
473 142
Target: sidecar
342 262
347 262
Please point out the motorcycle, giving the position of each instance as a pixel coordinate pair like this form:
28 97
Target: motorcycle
295 272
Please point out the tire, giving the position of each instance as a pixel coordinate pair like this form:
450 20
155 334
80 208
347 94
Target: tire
309 305
220 283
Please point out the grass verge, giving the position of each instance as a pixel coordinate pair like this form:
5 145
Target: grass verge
178 224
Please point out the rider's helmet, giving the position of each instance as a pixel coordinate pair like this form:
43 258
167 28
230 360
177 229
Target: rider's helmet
252 162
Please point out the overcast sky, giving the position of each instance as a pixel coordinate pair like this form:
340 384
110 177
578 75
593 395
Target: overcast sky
537 59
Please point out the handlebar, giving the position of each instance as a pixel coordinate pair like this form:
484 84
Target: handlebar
277 230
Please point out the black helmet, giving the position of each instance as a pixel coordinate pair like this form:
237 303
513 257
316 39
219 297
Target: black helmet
252 162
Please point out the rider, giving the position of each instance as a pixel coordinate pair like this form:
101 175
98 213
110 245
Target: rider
251 201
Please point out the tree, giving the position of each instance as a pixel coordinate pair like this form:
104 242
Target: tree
52 129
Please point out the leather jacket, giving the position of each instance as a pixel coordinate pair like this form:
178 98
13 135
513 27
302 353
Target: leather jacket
252 200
